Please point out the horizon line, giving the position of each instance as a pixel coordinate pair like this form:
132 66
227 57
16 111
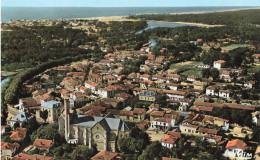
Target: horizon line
123 6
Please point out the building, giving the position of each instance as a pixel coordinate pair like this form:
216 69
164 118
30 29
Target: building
219 64
234 148
146 95
54 109
8 150
105 155
43 144
171 139
101 132
19 134
19 118
224 94
211 91
23 156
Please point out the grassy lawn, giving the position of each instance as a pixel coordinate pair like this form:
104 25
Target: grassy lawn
188 68
234 46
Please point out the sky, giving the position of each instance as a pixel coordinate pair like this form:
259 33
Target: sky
127 3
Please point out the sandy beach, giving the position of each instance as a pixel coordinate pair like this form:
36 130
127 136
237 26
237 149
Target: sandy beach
125 18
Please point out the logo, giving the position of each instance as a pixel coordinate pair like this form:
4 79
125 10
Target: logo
244 155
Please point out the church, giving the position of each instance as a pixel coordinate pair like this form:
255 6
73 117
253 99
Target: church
101 132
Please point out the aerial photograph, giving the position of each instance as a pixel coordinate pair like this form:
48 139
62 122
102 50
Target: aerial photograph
130 80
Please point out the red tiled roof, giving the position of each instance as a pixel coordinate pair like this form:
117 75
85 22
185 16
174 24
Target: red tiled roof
239 106
171 137
175 92
42 143
23 156
104 155
139 111
205 104
209 131
157 113
9 146
220 61
236 143
18 134
64 91
91 83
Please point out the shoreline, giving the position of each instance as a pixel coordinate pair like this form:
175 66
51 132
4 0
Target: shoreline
125 18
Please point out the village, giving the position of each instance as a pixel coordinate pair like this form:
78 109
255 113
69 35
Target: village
95 104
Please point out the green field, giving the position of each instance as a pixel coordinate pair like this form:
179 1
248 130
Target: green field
188 68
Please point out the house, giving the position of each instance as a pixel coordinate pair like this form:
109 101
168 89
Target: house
249 84
188 129
19 118
139 114
101 132
43 144
53 109
2 130
145 77
224 123
154 107
235 148
64 92
177 95
92 86
199 85
211 91
172 86
28 104
256 58
174 77
105 155
144 125
104 62
147 95
95 78
256 118
171 139
109 79
8 150
224 94
192 78
23 156
147 83
219 64
164 120
19 134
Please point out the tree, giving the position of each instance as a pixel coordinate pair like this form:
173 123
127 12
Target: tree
16 125
153 151
214 73
49 132
82 152
44 115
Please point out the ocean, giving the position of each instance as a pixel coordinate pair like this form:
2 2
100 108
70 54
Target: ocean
31 13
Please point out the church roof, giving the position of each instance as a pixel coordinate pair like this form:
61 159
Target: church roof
105 122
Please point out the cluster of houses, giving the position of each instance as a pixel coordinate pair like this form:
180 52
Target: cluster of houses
98 90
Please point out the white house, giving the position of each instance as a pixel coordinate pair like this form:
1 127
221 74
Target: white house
211 91
174 77
186 102
163 123
175 94
19 118
224 94
234 148
192 78
92 86
171 139
173 87
256 118
249 84
219 64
